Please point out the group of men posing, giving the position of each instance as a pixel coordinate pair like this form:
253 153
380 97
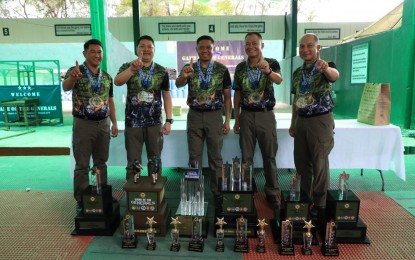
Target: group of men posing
209 88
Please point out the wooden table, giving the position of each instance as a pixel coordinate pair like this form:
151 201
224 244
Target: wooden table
23 103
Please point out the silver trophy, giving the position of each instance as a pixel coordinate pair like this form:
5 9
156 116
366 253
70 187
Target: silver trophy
236 177
343 186
96 180
286 247
226 174
192 193
246 172
295 187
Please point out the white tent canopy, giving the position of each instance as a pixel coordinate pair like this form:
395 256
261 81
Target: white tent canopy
390 21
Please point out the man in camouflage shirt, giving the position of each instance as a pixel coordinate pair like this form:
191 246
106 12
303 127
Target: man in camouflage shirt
93 105
312 122
254 102
147 82
209 85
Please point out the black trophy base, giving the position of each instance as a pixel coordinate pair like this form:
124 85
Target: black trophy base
306 251
151 247
260 248
241 247
175 247
129 243
220 248
286 250
196 246
97 225
330 251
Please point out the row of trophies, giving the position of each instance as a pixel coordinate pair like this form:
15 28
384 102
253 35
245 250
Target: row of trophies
145 201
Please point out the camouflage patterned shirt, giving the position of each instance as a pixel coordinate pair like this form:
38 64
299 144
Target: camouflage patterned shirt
255 98
211 98
144 105
85 102
317 95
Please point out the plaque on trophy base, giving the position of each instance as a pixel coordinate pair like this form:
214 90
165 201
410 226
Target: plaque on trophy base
100 225
293 210
146 199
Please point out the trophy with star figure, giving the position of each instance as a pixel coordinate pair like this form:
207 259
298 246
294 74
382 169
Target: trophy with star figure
260 247
175 245
151 234
307 239
220 235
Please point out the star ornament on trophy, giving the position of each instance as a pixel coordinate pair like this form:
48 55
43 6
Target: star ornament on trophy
260 247
220 235
175 245
307 239
151 233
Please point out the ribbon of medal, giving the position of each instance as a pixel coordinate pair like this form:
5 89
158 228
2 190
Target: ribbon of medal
146 79
95 100
305 88
205 81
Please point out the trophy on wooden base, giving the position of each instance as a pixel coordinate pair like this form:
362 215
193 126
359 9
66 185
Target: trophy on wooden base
137 170
307 239
151 234
286 247
127 229
329 247
260 247
196 243
175 233
241 240
220 235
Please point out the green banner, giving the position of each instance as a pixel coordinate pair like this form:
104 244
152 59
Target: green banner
50 101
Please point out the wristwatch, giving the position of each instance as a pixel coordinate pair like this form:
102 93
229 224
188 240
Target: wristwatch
269 73
169 120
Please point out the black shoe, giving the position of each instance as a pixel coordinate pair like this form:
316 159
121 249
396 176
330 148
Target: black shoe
272 201
114 200
218 199
78 207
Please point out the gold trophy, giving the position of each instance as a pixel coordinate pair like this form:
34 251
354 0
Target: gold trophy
260 247
127 230
151 234
175 245
307 239
286 247
329 247
220 235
